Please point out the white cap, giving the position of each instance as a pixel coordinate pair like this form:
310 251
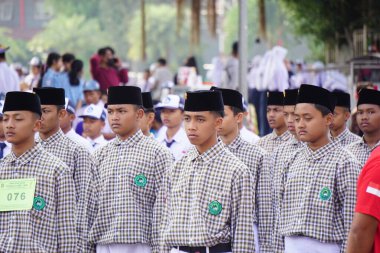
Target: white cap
95 112
171 102
35 61
69 106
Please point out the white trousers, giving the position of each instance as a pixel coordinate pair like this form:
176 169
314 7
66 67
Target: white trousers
179 251
123 248
302 244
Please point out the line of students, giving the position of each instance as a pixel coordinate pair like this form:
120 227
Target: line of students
292 192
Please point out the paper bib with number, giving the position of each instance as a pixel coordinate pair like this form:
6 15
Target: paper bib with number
17 194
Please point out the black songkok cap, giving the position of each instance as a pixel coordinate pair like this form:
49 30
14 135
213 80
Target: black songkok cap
311 94
147 100
343 99
122 95
231 97
51 96
290 97
367 96
22 101
275 98
204 100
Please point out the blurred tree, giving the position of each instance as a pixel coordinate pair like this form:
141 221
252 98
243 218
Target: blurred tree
332 22
18 48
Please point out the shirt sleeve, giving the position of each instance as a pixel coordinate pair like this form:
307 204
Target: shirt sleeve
65 197
242 213
368 190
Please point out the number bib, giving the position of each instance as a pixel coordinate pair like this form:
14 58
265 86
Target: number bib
17 194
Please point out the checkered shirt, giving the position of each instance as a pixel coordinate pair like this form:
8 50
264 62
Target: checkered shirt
82 166
276 185
198 182
346 138
361 150
131 173
51 229
271 141
251 155
320 194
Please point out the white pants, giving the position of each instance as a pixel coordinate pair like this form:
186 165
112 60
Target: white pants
256 237
302 244
123 248
179 251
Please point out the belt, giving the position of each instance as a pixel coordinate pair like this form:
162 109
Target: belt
220 248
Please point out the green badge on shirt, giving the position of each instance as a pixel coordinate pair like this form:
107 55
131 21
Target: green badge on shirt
325 194
39 203
215 208
140 180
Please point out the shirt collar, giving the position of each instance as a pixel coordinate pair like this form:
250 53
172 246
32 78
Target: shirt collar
363 142
57 137
97 140
179 136
24 158
207 156
342 135
235 144
284 136
321 152
131 140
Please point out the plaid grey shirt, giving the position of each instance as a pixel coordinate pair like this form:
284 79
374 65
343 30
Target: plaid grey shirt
276 185
271 141
320 194
51 229
82 166
361 150
130 172
346 138
209 201
251 155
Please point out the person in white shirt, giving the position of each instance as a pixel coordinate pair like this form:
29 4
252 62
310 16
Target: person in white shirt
34 76
66 126
93 122
9 80
246 134
5 147
173 135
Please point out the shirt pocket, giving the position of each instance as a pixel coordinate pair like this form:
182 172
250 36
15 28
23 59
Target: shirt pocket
215 211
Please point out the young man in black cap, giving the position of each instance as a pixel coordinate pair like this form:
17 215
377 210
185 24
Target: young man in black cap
277 172
76 157
368 117
319 196
276 121
131 168
209 195
148 118
37 192
251 155
342 113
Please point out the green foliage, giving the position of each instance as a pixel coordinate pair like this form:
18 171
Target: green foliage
18 49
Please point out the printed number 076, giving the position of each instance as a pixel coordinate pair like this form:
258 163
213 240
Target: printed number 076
16 196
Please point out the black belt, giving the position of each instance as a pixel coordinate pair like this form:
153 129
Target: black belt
220 248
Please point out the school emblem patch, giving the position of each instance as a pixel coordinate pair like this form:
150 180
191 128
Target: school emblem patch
39 203
325 194
215 208
140 180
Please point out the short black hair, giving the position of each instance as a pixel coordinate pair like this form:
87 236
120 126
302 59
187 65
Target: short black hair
149 110
323 109
102 51
60 107
162 61
235 47
68 57
2 55
236 110
218 113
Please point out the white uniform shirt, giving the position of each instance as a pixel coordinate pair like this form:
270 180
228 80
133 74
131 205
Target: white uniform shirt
180 145
97 143
7 148
9 80
248 136
72 135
